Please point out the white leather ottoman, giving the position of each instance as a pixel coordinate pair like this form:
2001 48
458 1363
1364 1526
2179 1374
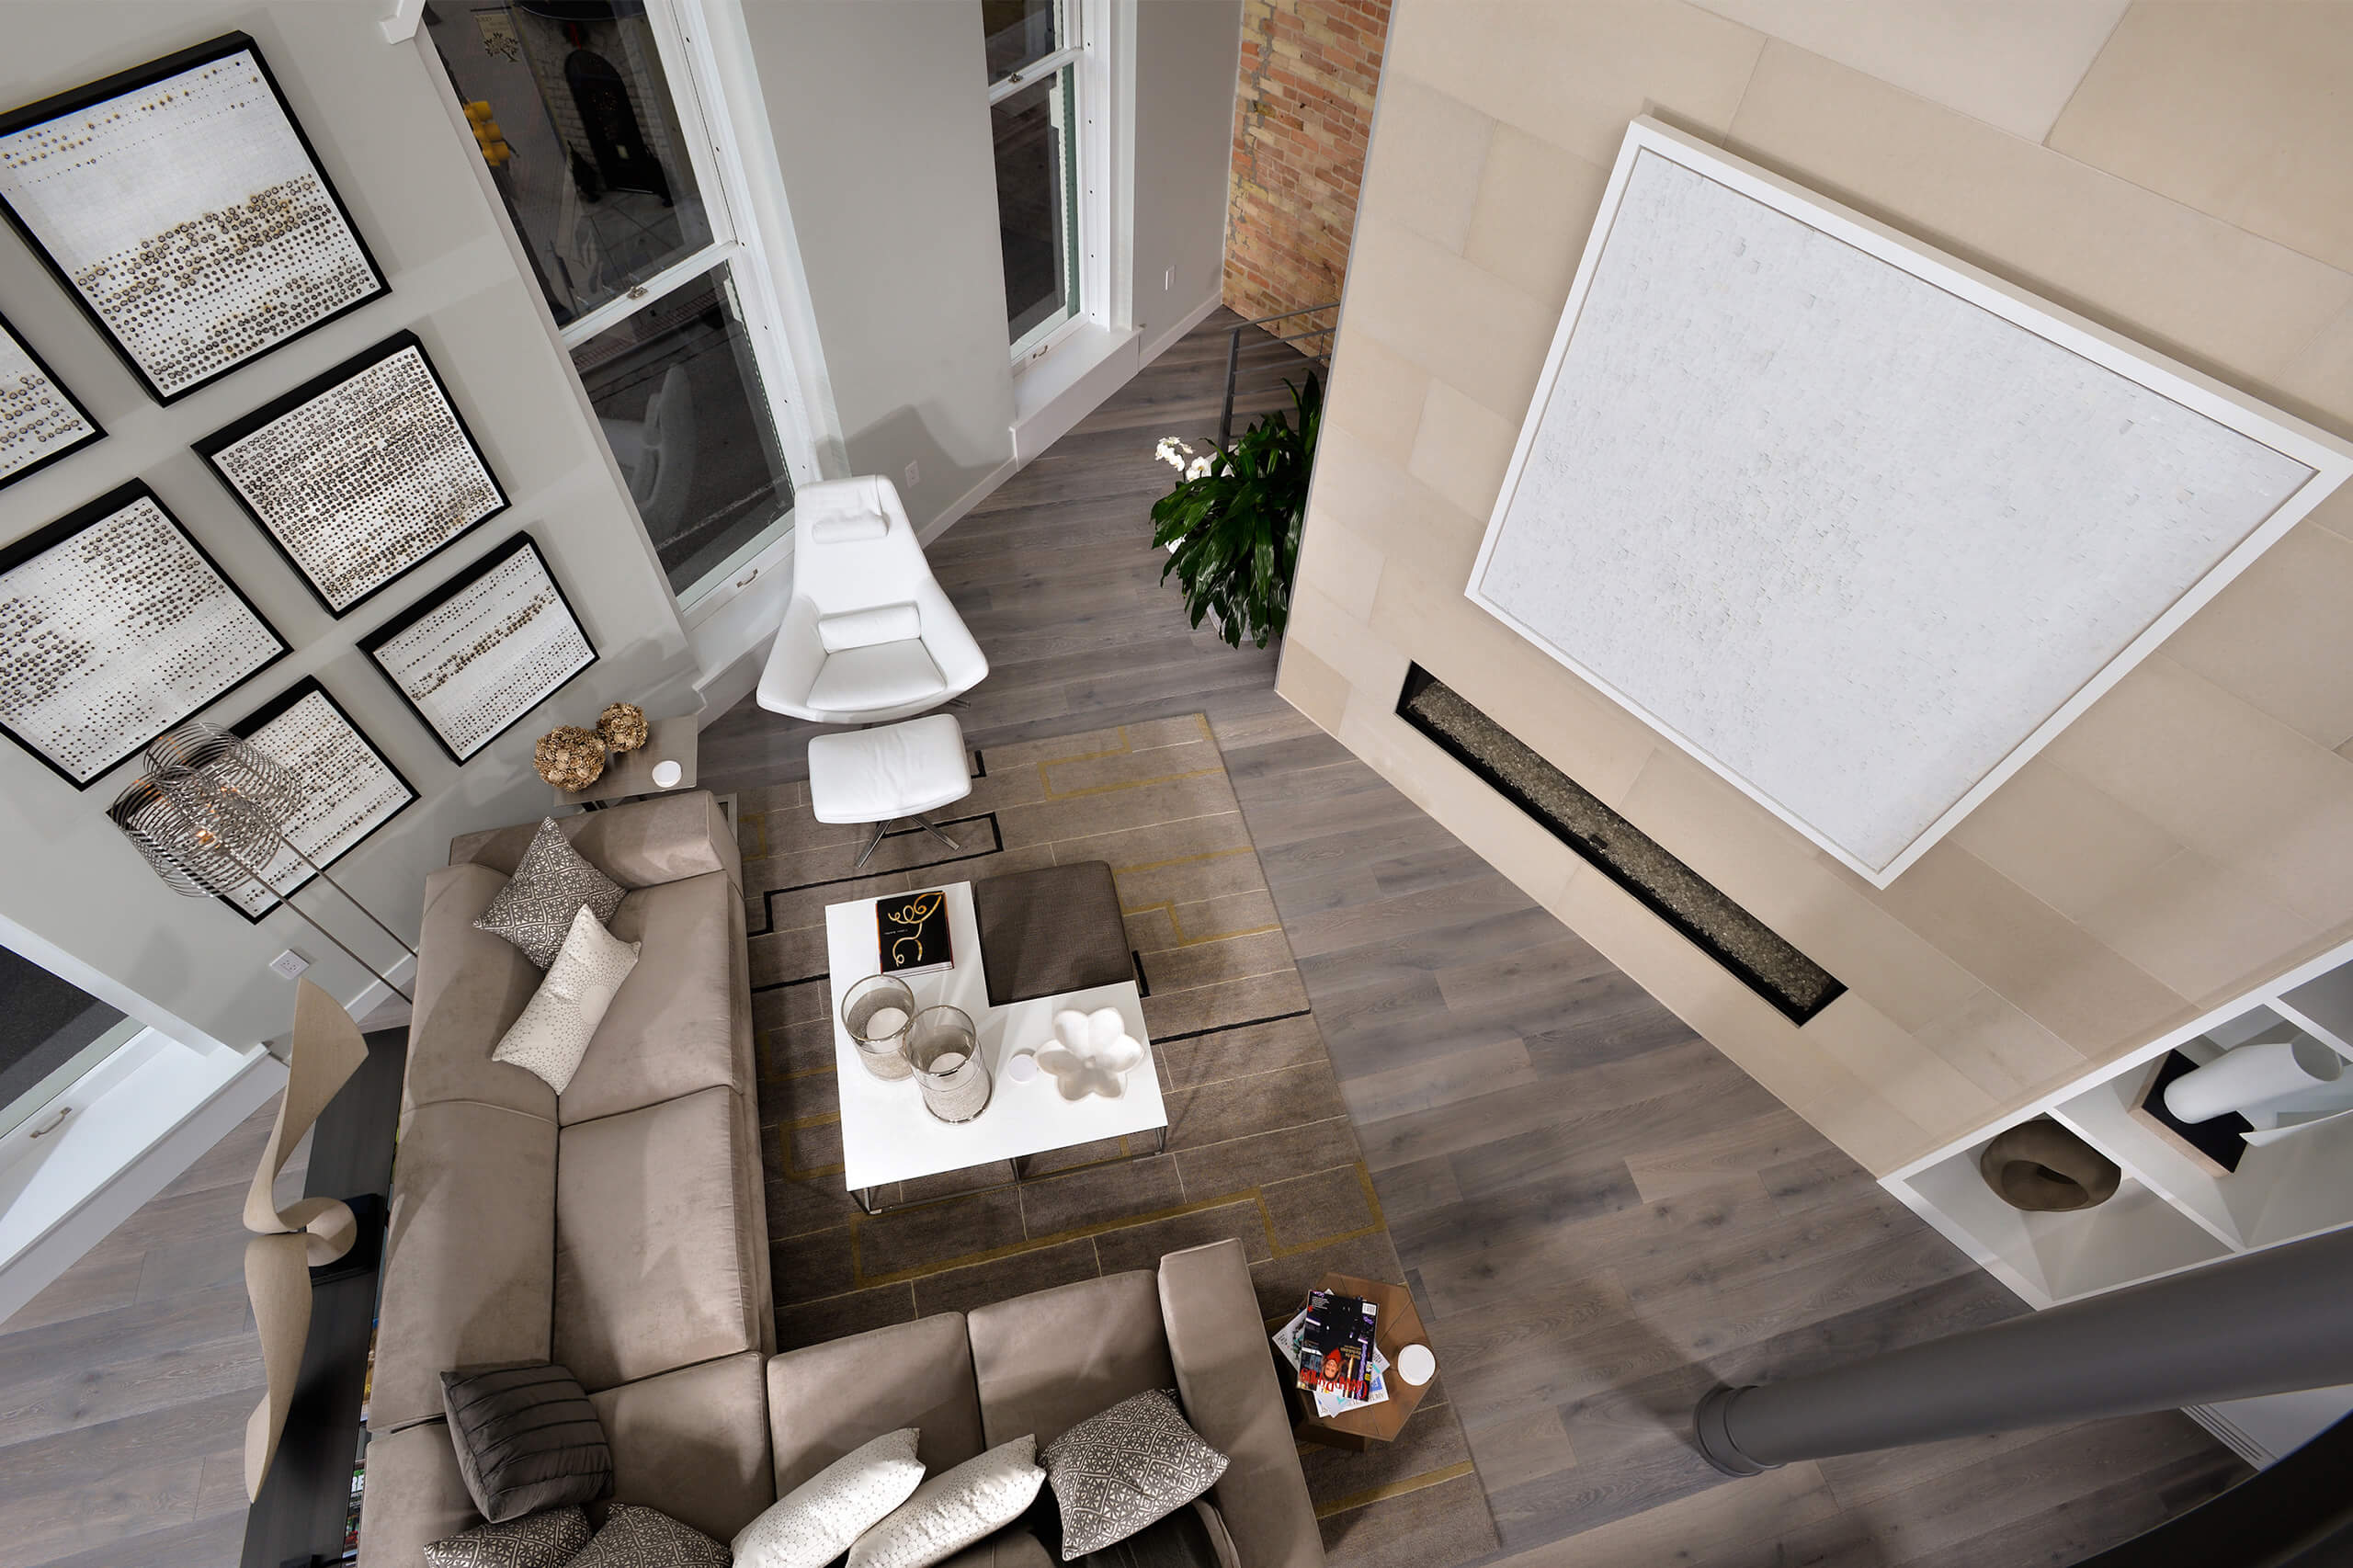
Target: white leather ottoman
890 773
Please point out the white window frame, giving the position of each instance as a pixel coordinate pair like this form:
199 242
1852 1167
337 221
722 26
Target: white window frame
1090 51
683 42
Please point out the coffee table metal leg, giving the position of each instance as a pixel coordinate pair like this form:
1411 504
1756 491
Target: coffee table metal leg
865 1196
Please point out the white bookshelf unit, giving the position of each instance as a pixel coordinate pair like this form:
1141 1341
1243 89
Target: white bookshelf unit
2171 1211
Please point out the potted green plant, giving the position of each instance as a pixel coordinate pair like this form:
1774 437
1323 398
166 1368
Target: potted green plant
1232 524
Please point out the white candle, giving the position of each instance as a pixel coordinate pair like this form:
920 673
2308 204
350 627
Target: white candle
947 1062
884 1022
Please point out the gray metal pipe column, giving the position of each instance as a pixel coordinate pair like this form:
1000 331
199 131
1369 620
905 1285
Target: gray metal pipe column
2263 1323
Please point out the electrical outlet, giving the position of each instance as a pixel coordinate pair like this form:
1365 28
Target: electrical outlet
290 963
914 475
1168 280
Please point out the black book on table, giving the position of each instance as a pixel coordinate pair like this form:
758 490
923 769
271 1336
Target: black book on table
912 933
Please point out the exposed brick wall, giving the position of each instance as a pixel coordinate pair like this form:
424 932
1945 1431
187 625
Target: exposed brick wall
1301 117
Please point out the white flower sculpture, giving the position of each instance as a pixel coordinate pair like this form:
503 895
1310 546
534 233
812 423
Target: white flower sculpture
1090 1054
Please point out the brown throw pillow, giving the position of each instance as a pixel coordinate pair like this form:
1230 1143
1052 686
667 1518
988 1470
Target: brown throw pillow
552 880
647 1538
1114 1473
536 1540
526 1438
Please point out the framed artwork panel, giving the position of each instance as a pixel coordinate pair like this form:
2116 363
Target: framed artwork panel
360 473
40 421
115 625
350 788
1859 527
181 207
493 644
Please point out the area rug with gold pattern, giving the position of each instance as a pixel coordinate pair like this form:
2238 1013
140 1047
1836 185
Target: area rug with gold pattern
1259 1145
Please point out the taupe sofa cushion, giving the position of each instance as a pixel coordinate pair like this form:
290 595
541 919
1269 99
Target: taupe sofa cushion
1046 1363
693 1443
682 1020
655 1264
1219 1346
831 1398
415 1495
471 987
659 839
470 1256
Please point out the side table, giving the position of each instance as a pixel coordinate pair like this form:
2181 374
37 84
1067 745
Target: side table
631 774
1395 1326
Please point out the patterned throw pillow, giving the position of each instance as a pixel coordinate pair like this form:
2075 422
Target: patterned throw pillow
561 1016
647 1538
954 1509
1116 1472
526 1438
816 1522
534 910
536 1540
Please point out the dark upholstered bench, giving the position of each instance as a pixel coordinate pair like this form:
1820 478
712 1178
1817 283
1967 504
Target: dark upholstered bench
1049 931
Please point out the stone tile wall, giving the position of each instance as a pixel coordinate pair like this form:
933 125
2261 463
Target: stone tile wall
2182 181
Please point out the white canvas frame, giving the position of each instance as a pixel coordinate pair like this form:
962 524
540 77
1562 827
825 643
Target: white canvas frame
2330 460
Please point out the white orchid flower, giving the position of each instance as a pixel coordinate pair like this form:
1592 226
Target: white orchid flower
1198 469
1168 449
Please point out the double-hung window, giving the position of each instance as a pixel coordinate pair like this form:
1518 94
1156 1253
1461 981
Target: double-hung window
1042 101
596 122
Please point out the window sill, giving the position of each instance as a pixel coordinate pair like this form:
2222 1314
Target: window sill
1061 390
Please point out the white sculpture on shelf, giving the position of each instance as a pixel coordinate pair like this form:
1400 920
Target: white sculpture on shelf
2253 1076
1090 1054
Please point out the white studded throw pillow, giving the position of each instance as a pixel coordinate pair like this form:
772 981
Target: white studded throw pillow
955 1510
817 1520
560 1020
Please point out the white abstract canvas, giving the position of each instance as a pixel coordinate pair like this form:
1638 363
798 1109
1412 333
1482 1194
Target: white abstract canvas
113 628
498 642
182 207
1858 528
40 421
348 789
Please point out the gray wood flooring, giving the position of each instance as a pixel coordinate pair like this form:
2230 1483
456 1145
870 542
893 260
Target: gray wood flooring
1599 1214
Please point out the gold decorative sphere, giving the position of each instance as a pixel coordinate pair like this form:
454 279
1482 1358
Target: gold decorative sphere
623 726
570 757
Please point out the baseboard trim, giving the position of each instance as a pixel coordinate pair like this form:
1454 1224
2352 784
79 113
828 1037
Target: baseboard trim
979 493
2227 1433
1192 319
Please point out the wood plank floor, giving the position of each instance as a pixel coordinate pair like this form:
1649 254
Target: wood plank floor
1599 1214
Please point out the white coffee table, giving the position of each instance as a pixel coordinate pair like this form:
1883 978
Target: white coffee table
888 1136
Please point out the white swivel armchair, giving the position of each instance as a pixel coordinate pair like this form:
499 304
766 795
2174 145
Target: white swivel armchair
869 636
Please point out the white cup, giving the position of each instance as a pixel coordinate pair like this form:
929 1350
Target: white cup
666 774
1417 1365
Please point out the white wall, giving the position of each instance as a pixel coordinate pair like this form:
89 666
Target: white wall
1187 55
881 118
879 114
378 117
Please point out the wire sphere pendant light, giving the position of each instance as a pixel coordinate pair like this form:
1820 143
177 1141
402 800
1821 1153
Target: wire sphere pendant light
212 818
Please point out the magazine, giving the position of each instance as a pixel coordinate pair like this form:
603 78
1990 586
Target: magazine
1331 1345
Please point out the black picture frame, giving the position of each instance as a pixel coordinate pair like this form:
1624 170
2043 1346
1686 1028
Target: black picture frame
80 521
373 643
137 77
97 431
210 448
277 707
